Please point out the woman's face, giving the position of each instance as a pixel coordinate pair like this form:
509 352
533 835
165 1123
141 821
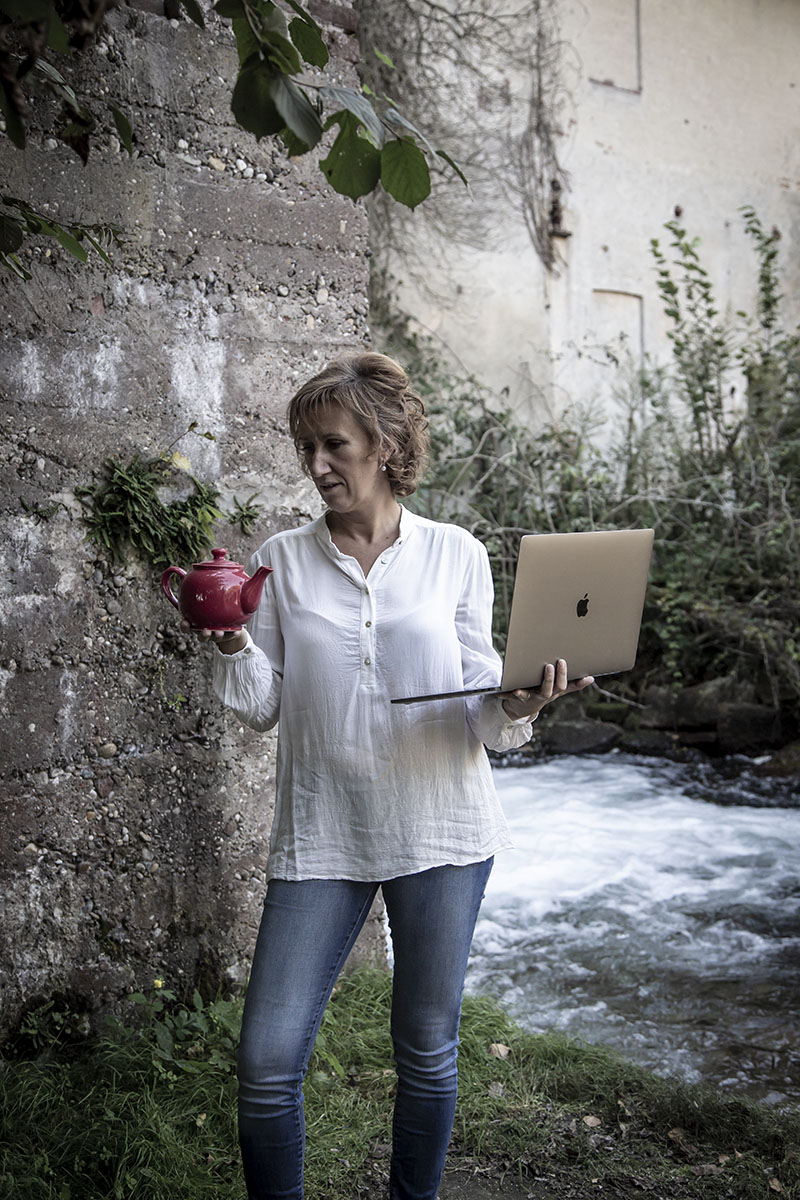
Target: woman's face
341 461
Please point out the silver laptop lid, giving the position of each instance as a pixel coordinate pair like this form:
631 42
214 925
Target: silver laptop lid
577 596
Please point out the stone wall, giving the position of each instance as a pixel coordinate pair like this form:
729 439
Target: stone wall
135 821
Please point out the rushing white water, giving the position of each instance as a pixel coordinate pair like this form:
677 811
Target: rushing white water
637 912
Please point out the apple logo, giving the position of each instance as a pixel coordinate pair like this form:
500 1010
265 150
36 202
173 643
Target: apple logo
582 607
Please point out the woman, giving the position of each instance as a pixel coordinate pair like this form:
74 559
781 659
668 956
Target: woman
366 603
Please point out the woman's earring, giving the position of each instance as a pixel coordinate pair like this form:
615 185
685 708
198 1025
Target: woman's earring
383 466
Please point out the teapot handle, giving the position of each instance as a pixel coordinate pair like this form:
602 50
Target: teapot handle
165 584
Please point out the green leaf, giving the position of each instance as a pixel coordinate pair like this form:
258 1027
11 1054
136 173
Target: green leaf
383 57
164 1039
37 224
301 12
58 83
70 243
11 234
194 12
123 127
454 165
333 1062
230 8
353 165
280 52
247 43
252 103
404 172
294 145
57 34
357 104
395 117
272 19
96 245
298 113
309 42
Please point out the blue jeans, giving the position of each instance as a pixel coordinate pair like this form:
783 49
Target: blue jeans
307 930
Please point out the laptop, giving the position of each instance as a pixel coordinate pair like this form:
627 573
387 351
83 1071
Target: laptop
577 596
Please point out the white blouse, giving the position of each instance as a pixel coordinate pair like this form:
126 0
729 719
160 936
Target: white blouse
367 789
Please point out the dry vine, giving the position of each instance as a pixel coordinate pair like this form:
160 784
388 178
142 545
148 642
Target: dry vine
488 80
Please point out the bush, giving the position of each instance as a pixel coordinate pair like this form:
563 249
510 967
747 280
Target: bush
718 479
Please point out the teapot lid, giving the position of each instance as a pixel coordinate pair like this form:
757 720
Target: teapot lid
217 560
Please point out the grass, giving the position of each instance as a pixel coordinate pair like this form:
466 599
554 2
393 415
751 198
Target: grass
148 1113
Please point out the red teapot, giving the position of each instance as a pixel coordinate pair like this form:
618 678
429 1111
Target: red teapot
215 594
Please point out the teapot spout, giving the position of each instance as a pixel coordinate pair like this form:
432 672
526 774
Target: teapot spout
252 588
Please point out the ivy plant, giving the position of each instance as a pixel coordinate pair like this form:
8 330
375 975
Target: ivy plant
127 509
280 91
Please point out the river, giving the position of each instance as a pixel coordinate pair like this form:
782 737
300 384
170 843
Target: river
653 907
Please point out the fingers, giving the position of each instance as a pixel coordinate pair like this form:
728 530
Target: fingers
555 683
547 686
220 636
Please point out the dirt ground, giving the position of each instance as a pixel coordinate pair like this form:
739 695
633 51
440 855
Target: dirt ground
482 1182
477 1185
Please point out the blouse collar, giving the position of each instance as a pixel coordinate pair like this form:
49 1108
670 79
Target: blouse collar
408 520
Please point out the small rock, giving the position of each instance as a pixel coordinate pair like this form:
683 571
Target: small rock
283 289
108 750
216 164
322 295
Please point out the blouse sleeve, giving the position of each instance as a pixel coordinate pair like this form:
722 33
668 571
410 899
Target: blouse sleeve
480 661
250 681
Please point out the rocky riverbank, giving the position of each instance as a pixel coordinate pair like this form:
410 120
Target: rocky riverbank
717 718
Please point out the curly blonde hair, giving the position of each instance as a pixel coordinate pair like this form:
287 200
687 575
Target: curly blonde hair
376 391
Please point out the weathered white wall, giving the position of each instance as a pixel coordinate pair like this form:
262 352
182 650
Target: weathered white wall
696 105
135 811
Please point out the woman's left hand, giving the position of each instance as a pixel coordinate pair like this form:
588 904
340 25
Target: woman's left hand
555 682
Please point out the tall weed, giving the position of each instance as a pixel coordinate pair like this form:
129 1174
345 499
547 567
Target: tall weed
715 474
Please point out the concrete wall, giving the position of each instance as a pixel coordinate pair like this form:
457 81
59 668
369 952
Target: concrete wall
695 105
134 823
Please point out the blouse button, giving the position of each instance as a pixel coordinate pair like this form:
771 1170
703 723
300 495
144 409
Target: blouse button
368 624
367 662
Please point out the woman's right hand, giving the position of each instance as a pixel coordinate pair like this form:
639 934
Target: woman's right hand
229 642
